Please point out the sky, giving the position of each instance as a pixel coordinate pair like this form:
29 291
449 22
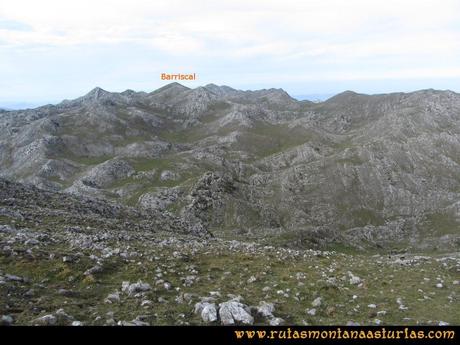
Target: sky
52 49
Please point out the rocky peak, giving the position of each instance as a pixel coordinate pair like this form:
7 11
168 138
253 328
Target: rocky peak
345 96
96 94
129 93
168 94
171 87
220 90
433 95
202 91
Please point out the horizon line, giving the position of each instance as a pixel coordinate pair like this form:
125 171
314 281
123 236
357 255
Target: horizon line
10 105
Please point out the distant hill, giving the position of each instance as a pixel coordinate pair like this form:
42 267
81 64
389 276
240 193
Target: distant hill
21 105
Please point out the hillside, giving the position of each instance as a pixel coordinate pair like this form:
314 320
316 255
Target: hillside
355 171
69 260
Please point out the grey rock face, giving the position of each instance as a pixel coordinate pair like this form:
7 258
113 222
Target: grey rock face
102 176
160 199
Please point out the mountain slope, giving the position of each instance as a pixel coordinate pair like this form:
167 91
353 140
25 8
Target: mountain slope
354 170
72 260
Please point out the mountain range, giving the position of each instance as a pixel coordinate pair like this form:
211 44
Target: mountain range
354 171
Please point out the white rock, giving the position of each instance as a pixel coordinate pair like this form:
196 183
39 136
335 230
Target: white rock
46 320
140 323
354 280
110 322
352 323
113 298
93 270
125 323
443 323
372 306
146 303
77 323
317 302
207 311
439 285
6 320
63 316
311 312
232 312
167 175
265 309
252 279
276 321
124 286
13 278
137 287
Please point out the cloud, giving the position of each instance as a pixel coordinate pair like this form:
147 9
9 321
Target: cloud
226 41
252 28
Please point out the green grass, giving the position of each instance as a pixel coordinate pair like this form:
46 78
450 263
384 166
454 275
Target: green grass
133 199
265 139
150 164
188 135
344 144
227 271
441 224
89 160
354 160
133 139
365 217
55 179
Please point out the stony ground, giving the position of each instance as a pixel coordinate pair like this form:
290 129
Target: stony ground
82 275
70 260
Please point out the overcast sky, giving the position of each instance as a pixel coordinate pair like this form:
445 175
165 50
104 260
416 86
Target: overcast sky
54 49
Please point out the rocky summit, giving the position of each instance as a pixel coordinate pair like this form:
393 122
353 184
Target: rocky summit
220 206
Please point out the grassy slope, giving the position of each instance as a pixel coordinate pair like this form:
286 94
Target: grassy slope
294 279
